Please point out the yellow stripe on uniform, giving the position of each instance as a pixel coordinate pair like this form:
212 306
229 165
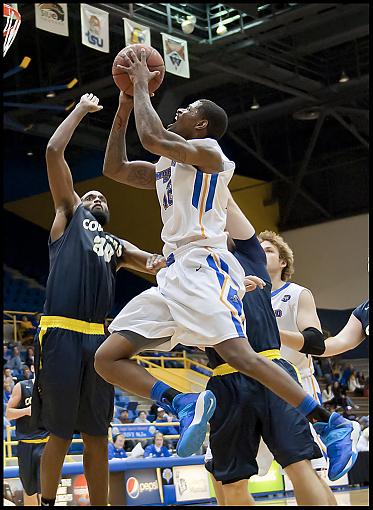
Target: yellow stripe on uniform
226 369
34 441
202 203
50 321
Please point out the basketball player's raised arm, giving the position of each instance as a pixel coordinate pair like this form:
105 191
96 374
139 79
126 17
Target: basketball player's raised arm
153 136
59 175
139 174
12 413
309 339
238 226
348 338
140 260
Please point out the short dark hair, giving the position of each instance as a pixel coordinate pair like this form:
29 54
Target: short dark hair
217 118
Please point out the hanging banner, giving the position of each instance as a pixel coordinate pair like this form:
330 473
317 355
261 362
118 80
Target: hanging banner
135 33
176 56
52 18
95 28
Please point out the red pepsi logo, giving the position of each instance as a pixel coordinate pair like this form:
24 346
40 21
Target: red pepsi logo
133 487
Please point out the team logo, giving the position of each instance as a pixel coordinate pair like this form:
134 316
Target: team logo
167 474
175 51
94 32
152 430
138 35
278 313
133 487
286 298
52 11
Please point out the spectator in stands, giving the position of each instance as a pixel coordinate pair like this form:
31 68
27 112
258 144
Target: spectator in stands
157 449
26 330
116 448
26 374
8 378
123 417
345 376
29 356
7 392
6 355
142 418
153 410
15 362
327 394
162 417
354 386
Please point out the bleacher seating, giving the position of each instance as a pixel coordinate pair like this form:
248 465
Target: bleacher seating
21 293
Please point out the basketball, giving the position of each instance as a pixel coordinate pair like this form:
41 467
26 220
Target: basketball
154 62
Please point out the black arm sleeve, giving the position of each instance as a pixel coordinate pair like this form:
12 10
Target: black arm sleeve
314 342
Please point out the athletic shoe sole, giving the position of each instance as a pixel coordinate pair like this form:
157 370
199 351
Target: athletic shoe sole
195 434
355 434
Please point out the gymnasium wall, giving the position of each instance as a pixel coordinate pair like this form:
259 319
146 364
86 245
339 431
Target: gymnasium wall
331 259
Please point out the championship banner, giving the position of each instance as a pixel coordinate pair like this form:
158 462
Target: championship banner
95 28
135 33
52 18
176 56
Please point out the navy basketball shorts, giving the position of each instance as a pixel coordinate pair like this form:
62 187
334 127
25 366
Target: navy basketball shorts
69 396
245 411
29 455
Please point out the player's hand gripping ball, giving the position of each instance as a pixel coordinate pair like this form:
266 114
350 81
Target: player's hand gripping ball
134 64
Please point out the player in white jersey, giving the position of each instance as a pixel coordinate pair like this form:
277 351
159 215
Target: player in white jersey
198 298
297 320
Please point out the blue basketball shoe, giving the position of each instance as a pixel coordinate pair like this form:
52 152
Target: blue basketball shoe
194 411
340 437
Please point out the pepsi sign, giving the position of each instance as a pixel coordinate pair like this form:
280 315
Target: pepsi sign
142 487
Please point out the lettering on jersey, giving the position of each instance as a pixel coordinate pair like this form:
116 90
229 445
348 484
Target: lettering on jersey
173 163
168 198
106 247
278 313
28 401
163 174
286 298
92 225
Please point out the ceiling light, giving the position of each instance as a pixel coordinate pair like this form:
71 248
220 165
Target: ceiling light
255 105
222 29
30 153
188 24
51 94
344 78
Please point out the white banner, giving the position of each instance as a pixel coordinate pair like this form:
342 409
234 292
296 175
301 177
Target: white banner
176 56
52 18
95 28
191 483
135 33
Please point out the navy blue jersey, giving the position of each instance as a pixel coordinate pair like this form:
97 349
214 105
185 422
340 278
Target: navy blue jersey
23 426
362 313
261 326
83 262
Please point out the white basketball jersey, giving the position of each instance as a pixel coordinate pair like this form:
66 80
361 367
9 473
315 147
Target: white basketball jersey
285 305
193 203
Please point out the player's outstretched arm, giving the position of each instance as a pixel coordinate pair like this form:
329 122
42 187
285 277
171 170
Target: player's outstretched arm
12 413
153 136
139 174
59 175
140 260
309 339
238 226
348 338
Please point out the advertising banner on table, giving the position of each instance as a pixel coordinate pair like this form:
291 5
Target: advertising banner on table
52 18
95 28
176 55
135 431
191 483
142 487
134 33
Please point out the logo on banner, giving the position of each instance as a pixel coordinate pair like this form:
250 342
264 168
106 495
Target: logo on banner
94 32
134 488
176 53
136 33
52 12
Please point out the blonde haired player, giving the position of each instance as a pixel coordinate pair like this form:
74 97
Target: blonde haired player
297 320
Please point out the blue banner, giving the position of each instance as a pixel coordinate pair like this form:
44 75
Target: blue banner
135 431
